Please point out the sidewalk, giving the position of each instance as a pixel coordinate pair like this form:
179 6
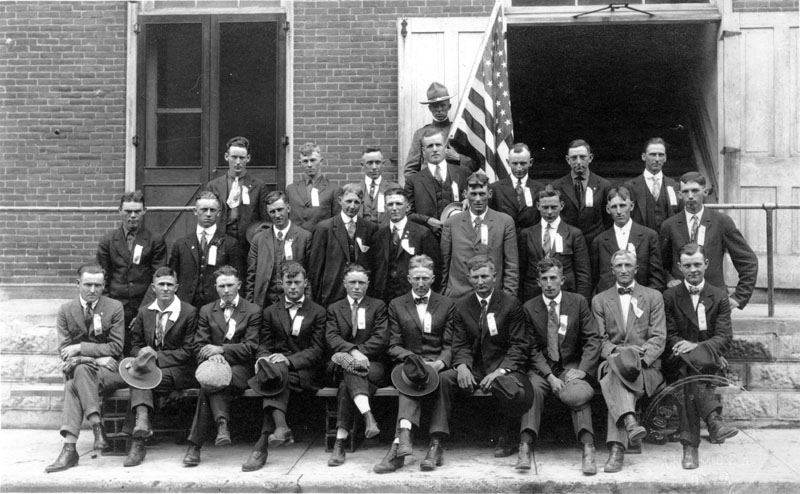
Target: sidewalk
755 461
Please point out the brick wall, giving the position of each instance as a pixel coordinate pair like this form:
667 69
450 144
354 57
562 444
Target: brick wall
765 5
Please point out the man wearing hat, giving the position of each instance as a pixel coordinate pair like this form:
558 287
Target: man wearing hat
698 335
313 198
630 319
439 104
227 338
161 357
289 359
420 336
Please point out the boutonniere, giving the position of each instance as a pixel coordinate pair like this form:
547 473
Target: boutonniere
217 242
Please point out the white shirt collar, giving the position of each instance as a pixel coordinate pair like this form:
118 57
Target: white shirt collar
481 216
555 223
174 308
235 301
650 176
515 180
368 181
557 299
285 231
487 299
211 230
700 286
346 219
443 167
415 296
626 228
301 301
689 215
350 300
83 302
631 286
401 225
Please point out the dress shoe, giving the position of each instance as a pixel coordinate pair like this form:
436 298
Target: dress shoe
615 458
434 458
192 458
281 436
588 464
371 425
100 438
524 457
142 427
223 435
635 431
68 458
258 457
634 448
391 462
691 457
502 448
136 454
718 430
337 455
405 447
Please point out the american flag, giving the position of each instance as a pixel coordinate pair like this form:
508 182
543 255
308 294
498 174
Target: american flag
483 125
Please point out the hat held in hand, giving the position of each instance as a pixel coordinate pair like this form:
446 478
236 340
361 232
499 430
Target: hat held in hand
141 372
514 393
213 376
270 379
414 377
627 365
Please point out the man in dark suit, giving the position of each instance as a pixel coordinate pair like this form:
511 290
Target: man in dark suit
283 241
90 332
584 192
420 325
196 256
165 329
564 355
339 241
374 207
436 185
626 234
357 335
656 196
313 199
479 230
630 319
716 233
554 238
227 331
129 256
293 338
516 194
698 335
394 245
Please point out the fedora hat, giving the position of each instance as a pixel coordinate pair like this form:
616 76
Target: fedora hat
627 365
436 92
270 379
213 376
702 359
414 377
141 371
514 393
450 210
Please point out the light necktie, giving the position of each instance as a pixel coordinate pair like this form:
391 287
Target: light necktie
438 175
351 228
235 195
694 290
520 193
656 188
477 225
579 190
695 227
552 332
88 316
354 317
547 241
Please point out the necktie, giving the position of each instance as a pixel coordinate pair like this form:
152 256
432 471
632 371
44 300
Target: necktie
694 290
579 189
395 236
438 175
235 195
309 186
161 324
354 317
484 306
129 238
695 227
203 241
351 228
477 225
421 300
656 188
279 254
293 305
88 316
624 291
552 332
547 241
372 190
520 193
228 310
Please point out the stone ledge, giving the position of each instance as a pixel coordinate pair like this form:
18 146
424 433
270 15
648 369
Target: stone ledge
779 375
750 405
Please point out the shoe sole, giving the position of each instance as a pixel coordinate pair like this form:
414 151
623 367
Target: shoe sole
190 464
721 439
60 469
334 464
371 434
142 434
522 467
638 435
252 469
274 442
222 442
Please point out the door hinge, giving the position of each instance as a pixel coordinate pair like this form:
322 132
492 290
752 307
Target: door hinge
136 28
135 140
285 141
287 26
728 34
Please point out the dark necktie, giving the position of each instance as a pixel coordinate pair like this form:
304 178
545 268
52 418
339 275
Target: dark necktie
547 241
351 228
438 175
309 186
421 300
477 226
372 190
395 236
354 317
579 190
624 291
695 227
484 306
293 305
552 332
279 254
161 324
203 241
88 316
129 238
520 193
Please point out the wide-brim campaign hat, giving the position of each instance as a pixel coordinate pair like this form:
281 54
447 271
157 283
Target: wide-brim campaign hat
270 379
140 372
514 394
450 210
702 359
414 377
256 228
436 92
213 376
627 365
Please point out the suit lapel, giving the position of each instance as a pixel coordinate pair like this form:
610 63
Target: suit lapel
407 234
194 246
284 318
219 317
568 189
427 180
685 303
411 307
77 314
121 245
340 232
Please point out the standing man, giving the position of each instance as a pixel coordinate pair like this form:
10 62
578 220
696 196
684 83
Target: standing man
374 207
195 257
90 332
312 199
479 230
626 235
716 233
339 241
585 192
283 241
516 194
630 319
655 195
439 105
393 247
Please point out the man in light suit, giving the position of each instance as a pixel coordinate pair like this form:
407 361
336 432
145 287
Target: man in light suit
339 241
516 194
394 245
630 319
374 207
656 196
314 198
420 325
196 256
227 331
716 233
564 355
283 241
554 238
90 332
626 234
479 230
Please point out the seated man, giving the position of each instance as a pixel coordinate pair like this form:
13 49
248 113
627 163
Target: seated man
630 319
227 331
90 333
292 343
420 333
357 335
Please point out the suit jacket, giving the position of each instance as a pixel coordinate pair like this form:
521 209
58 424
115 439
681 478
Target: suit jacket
682 322
331 253
460 242
387 284
648 330
591 221
504 199
195 275
406 331
648 258
421 192
126 281
248 213
574 259
178 347
261 260
475 346
369 208
306 349
71 328
721 236
212 328
414 159
647 211
303 214
371 341
578 348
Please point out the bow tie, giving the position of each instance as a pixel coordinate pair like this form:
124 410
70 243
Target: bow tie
293 305
694 290
224 305
421 300
624 291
